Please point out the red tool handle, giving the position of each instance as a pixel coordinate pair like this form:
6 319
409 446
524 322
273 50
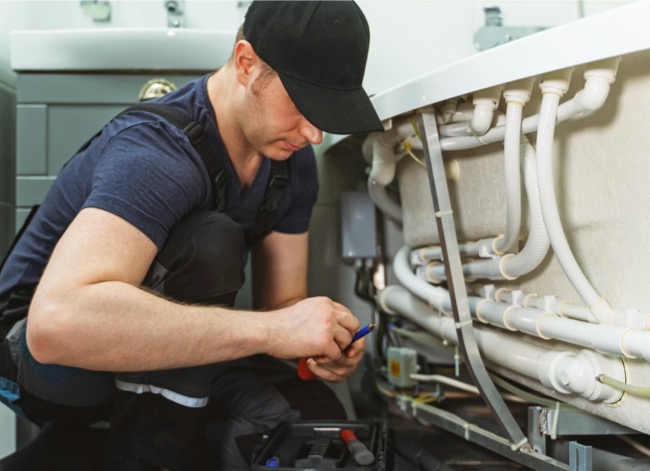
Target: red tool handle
304 372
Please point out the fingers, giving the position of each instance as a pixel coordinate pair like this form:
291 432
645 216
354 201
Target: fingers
332 371
356 349
341 368
346 319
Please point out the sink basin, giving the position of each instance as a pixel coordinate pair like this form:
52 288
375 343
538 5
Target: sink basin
120 49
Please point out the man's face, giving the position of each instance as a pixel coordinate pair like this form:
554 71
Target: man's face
271 122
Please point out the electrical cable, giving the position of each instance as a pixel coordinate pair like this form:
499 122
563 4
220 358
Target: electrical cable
640 391
528 397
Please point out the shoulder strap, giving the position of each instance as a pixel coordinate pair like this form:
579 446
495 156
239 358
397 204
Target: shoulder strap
196 134
278 182
19 234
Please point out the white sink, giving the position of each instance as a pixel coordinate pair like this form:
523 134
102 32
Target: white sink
120 49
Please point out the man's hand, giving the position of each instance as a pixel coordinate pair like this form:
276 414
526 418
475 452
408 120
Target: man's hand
314 327
341 369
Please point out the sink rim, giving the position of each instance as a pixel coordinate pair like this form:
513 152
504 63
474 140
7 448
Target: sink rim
159 49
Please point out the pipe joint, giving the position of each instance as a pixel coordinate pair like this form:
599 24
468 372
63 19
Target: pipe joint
485 102
519 91
575 373
609 339
556 82
605 69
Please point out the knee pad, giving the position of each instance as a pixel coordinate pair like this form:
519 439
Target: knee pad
202 260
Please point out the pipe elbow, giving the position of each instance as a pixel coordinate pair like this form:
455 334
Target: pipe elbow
482 119
594 94
383 160
485 102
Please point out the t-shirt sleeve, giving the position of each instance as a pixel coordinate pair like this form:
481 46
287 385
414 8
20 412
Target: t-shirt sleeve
148 175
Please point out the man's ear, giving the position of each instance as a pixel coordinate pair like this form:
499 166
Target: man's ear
244 58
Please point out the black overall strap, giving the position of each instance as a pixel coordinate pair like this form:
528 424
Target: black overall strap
29 218
278 178
196 134
278 182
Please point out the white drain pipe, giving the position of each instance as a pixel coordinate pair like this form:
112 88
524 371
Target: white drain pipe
516 95
509 266
567 372
612 339
600 74
553 87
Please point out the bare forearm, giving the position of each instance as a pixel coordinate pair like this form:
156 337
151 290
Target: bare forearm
114 326
118 327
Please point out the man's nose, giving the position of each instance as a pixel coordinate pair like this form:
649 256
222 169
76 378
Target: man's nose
311 132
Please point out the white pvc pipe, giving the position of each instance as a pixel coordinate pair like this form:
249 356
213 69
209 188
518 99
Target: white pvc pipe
424 255
537 243
616 340
629 317
600 74
516 95
566 372
460 129
547 303
485 102
509 266
550 99
437 297
512 171
383 165
383 201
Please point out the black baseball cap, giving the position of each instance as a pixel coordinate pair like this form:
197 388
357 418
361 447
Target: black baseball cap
319 50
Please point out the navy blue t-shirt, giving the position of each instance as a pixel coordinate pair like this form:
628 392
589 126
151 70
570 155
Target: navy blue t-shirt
146 171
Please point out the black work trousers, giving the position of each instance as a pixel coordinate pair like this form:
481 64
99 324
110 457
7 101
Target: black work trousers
188 419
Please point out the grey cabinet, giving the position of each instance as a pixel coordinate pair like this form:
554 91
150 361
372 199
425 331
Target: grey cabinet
57 112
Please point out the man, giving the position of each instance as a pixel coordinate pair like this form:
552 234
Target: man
132 270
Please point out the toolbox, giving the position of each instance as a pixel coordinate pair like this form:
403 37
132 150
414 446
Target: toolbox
317 445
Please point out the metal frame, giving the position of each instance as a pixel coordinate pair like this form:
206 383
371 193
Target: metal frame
456 281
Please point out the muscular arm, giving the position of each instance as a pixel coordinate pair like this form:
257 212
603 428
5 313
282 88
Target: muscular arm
280 270
89 311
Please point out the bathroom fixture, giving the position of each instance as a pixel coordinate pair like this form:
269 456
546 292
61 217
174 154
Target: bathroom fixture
175 13
122 49
494 33
97 10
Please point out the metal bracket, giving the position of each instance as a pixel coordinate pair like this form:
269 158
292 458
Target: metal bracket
456 281
580 457
494 33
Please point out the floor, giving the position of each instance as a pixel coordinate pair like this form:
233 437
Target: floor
440 450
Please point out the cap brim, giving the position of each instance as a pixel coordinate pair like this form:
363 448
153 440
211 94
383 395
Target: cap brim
333 111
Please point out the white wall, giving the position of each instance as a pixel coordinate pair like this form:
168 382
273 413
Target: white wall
409 37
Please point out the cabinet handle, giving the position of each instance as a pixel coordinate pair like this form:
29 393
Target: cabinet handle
155 88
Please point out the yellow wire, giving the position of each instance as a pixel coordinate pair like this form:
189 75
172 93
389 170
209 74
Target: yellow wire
407 148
